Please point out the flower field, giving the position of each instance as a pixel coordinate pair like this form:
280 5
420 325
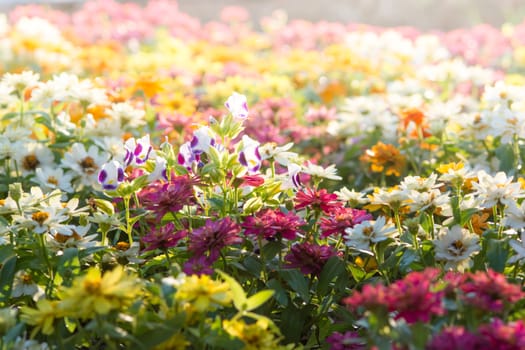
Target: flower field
172 184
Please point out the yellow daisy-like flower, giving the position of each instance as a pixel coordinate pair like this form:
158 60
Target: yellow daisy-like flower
43 317
95 293
203 293
255 336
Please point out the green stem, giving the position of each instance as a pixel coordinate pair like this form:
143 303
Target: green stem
51 281
129 226
264 272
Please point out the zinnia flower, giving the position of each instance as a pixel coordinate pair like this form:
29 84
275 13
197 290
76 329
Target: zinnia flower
342 218
273 223
456 246
317 200
202 293
213 236
384 158
455 338
163 237
309 258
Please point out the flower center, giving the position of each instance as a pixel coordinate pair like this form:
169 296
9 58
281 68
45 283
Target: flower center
30 162
367 231
458 247
122 246
40 217
92 286
26 278
88 165
52 180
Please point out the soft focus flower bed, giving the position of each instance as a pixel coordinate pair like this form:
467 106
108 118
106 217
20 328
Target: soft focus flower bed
171 184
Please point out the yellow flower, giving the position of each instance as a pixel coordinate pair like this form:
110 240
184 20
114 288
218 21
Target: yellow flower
43 317
202 293
444 168
255 336
96 294
384 157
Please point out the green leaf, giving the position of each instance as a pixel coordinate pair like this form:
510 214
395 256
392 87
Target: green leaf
332 269
297 282
239 297
68 265
497 254
7 274
258 299
271 249
280 293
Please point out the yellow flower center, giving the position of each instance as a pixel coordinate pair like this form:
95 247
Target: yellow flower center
26 278
123 246
30 162
88 165
52 180
92 286
40 217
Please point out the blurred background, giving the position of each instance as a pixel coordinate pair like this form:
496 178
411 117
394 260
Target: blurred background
423 14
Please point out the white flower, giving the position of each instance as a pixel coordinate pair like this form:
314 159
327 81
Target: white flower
23 284
47 220
53 178
249 154
6 98
420 201
393 197
126 115
418 183
318 171
353 197
159 170
20 81
85 164
515 215
270 150
8 148
85 93
137 151
111 175
47 93
519 248
498 189
203 139
33 155
456 246
78 239
362 235
237 106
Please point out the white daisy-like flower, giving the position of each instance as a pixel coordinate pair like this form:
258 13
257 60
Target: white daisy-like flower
329 172
519 248
456 246
362 235
126 115
351 196
280 154
85 164
78 239
8 148
51 179
23 284
421 201
20 81
33 155
85 93
515 215
418 183
45 94
393 198
6 98
123 251
47 220
498 189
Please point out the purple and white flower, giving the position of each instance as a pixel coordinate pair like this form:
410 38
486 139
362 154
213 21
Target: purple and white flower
137 151
111 175
203 139
249 154
237 106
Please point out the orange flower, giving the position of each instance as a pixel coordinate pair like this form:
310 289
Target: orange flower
384 157
417 117
479 222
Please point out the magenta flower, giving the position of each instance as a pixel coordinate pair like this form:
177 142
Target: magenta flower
498 335
371 297
317 200
273 223
111 175
308 257
413 298
341 218
163 237
345 341
187 157
198 265
213 236
170 196
455 338
490 291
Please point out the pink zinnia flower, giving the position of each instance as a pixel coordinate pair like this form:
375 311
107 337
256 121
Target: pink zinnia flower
490 291
317 200
498 335
342 218
413 298
163 237
455 338
372 297
309 258
213 236
168 197
273 223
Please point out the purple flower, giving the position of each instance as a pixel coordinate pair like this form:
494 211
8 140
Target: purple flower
202 140
308 257
187 157
111 175
137 151
237 106
213 236
163 237
345 341
198 265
